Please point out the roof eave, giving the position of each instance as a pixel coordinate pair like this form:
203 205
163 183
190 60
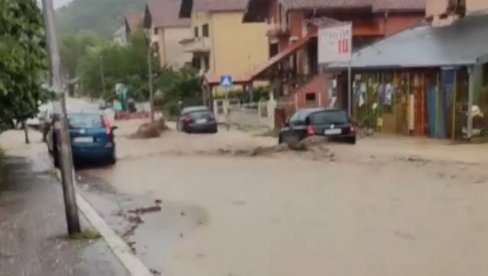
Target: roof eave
256 11
397 11
397 66
330 9
186 8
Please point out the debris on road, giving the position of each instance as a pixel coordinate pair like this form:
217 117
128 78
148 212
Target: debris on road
155 272
316 146
150 130
142 211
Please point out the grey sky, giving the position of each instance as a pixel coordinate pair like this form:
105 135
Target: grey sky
59 3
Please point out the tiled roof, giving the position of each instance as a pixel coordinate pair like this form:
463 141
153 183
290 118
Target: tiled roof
257 10
134 20
373 4
220 5
164 13
399 4
187 6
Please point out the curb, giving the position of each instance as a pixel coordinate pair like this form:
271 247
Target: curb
131 262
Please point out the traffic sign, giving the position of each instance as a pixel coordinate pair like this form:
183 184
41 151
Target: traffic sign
226 81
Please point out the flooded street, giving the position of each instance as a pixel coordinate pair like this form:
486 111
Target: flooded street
371 211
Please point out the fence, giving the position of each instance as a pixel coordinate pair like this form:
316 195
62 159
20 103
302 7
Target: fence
259 115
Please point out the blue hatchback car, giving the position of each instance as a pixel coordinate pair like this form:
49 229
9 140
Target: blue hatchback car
92 139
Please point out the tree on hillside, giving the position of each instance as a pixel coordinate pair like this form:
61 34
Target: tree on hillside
23 60
103 17
73 48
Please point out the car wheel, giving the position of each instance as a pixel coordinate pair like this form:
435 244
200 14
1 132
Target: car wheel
352 140
113 159
291 140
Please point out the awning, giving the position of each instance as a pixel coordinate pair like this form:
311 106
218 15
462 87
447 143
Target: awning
283 54
462 43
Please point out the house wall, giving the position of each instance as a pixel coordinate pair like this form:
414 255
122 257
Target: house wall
435 8
398 22
476 5
174 56
318 86
237 47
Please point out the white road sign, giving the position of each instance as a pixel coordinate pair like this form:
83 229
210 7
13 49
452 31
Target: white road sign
335 43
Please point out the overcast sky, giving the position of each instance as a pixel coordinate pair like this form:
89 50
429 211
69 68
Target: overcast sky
59 3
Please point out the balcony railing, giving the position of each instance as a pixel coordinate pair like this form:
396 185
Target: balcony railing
276 29
197 44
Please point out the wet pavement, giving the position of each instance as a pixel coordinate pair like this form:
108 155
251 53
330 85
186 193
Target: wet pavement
380 208
32 222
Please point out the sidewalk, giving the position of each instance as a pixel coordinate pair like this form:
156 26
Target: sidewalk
33 228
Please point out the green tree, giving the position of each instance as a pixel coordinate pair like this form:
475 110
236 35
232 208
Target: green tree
174 86
73 48
128 65
23 60
116 64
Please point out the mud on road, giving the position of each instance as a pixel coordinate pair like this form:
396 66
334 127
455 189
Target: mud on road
379 208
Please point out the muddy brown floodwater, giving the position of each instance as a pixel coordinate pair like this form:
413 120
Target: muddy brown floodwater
373 213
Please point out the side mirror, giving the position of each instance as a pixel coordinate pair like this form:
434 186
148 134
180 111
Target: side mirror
287 124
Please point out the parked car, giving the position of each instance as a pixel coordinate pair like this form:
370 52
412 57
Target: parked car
332 123
197 119
92 138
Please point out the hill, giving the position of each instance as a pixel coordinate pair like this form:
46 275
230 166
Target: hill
103 17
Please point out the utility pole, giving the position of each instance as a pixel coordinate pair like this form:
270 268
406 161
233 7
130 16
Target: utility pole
149 68
72 218
102 74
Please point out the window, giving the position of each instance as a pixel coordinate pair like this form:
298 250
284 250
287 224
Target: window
273 49
195 31
155 48
205 32
310 98
206 63
77 121
329 117
196 62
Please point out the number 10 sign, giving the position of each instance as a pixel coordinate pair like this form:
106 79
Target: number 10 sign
335 43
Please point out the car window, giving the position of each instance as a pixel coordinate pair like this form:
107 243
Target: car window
85 121
329 117
200 114
297 117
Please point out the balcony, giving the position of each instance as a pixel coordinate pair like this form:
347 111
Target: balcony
196 45
276 30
